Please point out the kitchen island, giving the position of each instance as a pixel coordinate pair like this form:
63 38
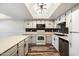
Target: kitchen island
11 45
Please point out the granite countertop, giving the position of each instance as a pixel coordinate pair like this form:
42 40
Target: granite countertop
8 42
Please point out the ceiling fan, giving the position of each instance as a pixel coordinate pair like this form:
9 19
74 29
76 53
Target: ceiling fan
41 7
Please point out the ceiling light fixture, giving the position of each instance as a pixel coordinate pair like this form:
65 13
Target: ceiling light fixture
41 7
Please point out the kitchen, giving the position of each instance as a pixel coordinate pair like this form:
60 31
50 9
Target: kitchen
28 30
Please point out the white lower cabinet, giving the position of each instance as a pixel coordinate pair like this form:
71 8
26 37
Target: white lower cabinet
32 39
21 48
55 42
48 39
53 38
10 52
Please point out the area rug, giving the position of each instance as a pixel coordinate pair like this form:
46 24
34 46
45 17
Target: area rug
43 51
41 48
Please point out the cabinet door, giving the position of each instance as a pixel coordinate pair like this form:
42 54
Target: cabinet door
55 23
30 24
42 22
21 48
58 20
38 22
49 24
11 52
63 18
33 38
68 18
48 39
53 38
30 39
57 43
27 24
33 24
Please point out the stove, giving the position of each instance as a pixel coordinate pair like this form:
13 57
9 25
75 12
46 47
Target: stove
41 39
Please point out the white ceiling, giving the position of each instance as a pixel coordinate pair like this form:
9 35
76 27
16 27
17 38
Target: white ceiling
53 10
28 10
61 9
32 7
14 10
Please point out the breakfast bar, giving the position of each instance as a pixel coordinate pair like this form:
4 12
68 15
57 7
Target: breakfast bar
11 45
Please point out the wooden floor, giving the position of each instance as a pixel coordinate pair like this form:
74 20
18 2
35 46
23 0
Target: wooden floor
42 50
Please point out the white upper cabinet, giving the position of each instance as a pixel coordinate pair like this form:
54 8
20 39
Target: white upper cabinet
27 24
49 24
62 19
55 23
33 24
68 18
30 24
38 22
59 20
42 22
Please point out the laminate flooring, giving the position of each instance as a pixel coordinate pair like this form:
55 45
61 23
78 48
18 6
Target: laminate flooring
42 50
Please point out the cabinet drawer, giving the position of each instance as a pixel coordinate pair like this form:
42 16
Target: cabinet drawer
10 51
